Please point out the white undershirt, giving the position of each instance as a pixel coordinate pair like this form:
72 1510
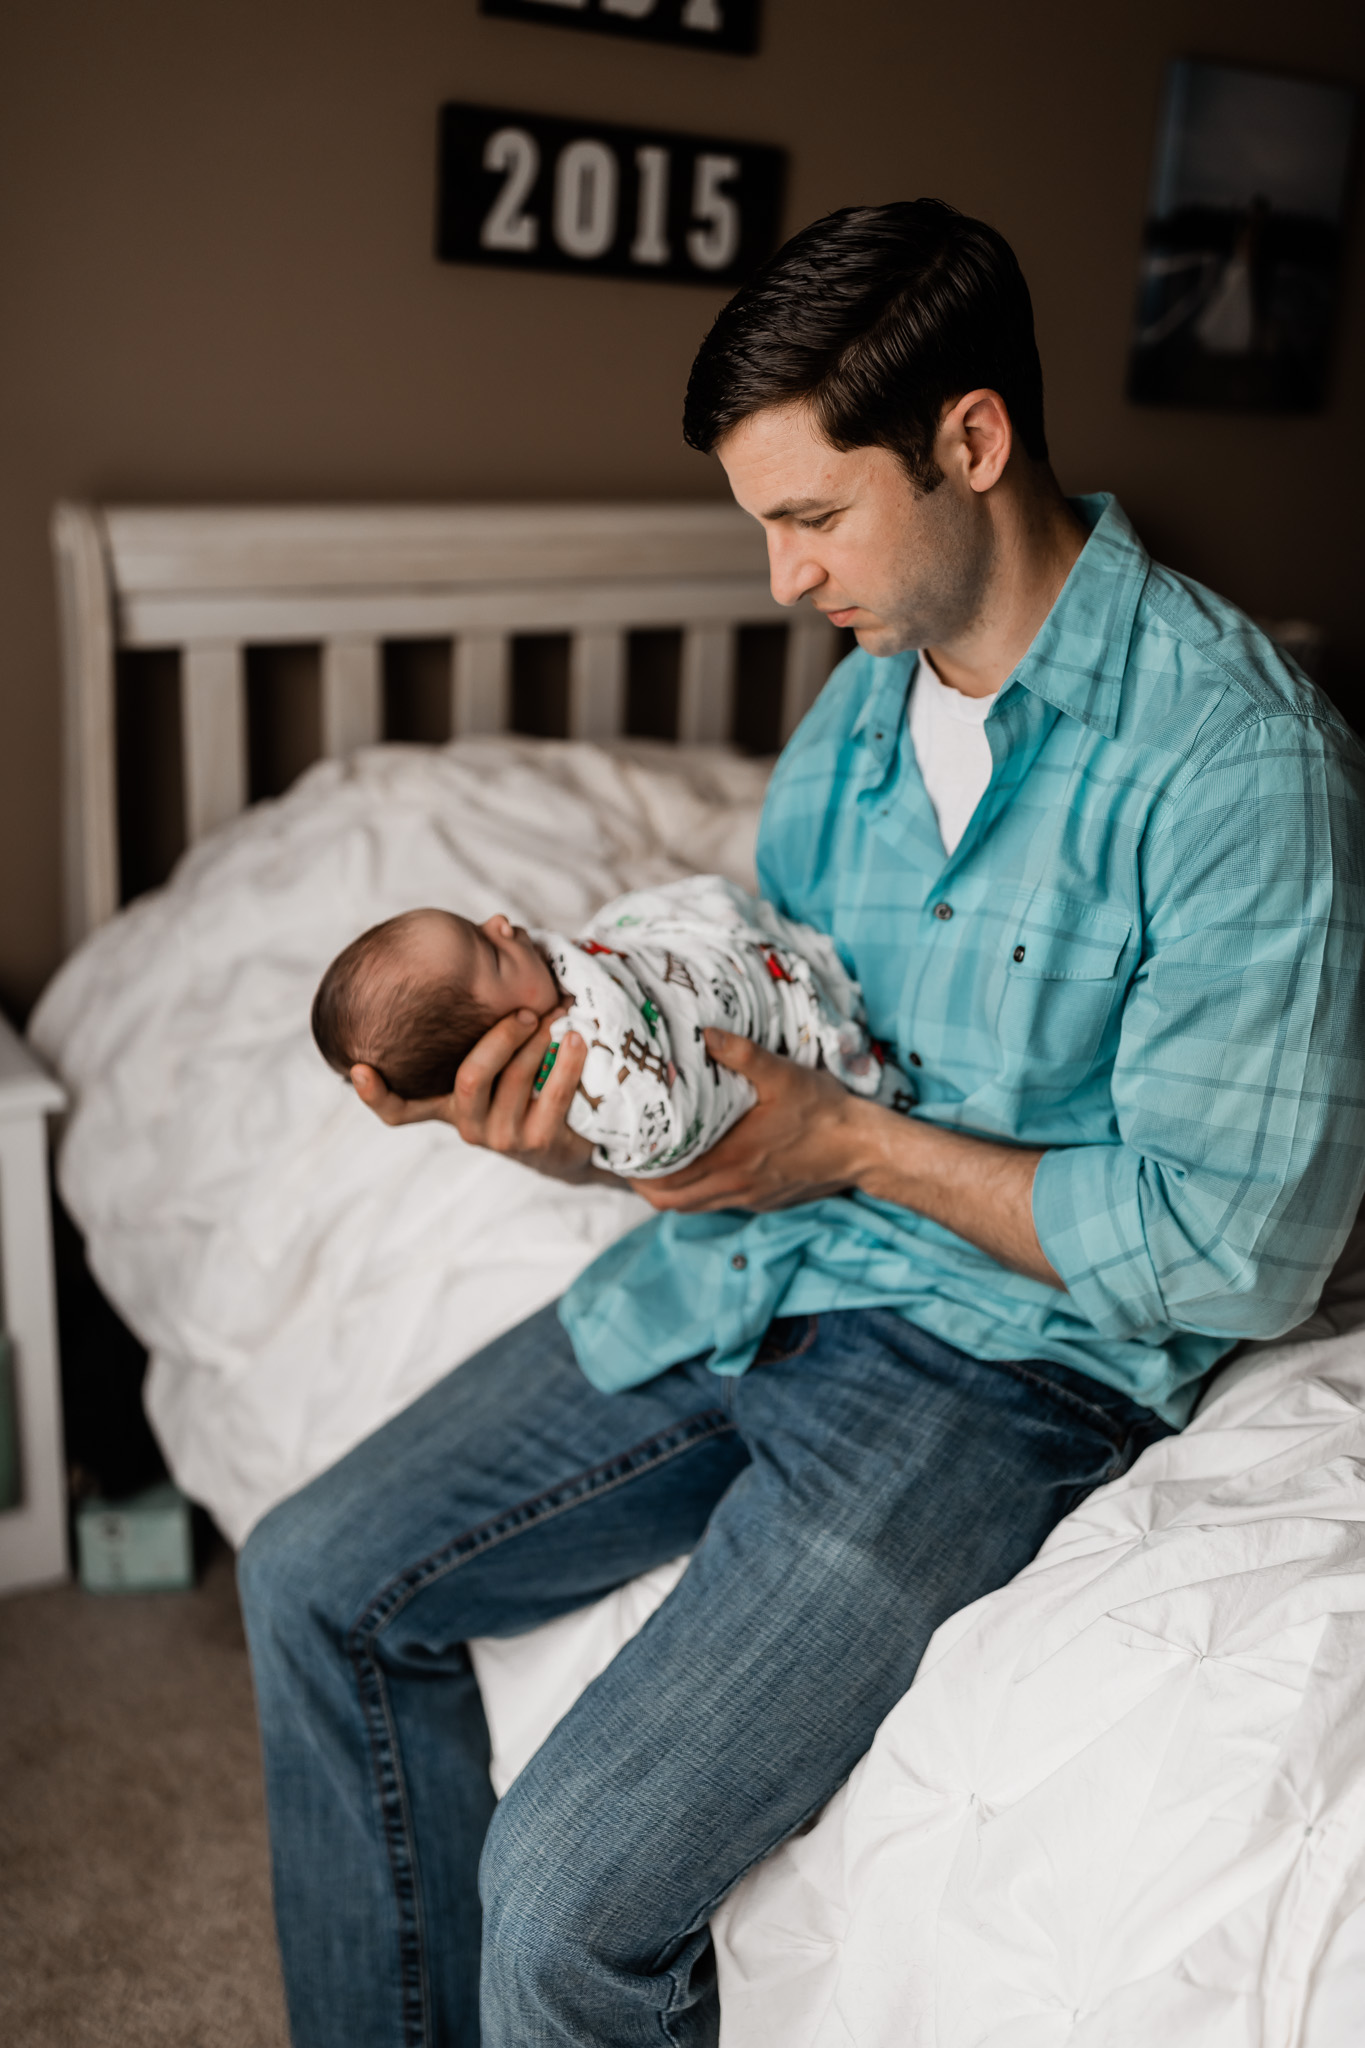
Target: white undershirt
949 735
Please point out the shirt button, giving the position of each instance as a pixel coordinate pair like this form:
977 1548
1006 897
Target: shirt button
739 1262
915 1060
1018 952
943 910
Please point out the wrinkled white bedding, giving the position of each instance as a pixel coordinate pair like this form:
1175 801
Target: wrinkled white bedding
298 1272
1124 1800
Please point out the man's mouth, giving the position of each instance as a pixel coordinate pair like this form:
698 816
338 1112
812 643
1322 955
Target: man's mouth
842 618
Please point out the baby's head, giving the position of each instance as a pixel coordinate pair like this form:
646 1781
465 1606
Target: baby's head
410 997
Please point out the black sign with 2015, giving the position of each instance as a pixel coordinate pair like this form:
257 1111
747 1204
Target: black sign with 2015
705 24
535 192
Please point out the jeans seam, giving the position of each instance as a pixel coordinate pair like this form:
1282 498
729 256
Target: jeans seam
677 1989
381 1735
1117 1434
400 1847
713 1422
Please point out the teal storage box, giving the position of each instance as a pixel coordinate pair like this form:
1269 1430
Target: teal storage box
141 1545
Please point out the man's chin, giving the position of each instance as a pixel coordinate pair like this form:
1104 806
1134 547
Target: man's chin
881 639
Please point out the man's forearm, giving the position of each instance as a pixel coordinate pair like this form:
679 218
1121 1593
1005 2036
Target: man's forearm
981 1190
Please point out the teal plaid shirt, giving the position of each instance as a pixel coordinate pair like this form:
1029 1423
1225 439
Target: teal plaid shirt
1147 954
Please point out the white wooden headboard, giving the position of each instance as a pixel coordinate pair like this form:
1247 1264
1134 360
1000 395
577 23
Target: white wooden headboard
212 581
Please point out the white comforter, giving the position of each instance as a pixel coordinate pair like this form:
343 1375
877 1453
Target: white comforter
1123 1803
1124 1800
298 1272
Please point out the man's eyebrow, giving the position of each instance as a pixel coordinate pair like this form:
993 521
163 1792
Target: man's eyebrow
792 508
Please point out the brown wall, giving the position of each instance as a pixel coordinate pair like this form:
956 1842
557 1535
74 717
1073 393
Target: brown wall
216 282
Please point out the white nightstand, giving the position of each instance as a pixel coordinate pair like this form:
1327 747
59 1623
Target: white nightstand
33 1549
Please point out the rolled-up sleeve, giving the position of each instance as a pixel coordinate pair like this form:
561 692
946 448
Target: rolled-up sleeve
1238 1157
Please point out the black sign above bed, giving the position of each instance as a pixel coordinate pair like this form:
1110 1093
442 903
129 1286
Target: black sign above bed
536 192
704 24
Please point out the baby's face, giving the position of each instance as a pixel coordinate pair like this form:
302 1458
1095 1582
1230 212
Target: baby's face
497 961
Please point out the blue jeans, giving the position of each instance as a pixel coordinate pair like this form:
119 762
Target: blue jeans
860 1483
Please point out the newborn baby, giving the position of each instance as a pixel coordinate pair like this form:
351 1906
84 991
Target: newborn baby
650 973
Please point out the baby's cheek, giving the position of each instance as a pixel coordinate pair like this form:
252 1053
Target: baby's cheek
542 991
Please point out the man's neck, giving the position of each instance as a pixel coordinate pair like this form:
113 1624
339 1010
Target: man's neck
1037 538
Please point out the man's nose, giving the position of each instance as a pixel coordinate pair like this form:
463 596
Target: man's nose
793 571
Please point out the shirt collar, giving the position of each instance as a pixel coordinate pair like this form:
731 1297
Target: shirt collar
882 711
1080 654
1078 659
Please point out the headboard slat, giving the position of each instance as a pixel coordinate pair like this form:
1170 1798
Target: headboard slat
352 696
597 685
480 683
89 744
213 736
419 547
178 619
706 684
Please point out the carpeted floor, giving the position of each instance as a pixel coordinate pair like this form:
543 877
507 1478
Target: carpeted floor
134 1889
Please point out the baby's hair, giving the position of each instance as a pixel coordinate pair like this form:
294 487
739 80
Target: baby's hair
416 1036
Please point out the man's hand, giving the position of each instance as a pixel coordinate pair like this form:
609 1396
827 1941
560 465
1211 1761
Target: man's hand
799 1141
494 1103
806 1137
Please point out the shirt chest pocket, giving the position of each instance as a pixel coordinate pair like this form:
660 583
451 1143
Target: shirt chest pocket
1063 984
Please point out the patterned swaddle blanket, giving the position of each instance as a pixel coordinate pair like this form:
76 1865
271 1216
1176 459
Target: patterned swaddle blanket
653 970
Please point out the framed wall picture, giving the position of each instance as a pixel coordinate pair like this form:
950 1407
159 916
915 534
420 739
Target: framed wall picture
703 24
1243 241
538 192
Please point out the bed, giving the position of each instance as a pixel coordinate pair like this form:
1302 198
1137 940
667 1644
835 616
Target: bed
1127 1792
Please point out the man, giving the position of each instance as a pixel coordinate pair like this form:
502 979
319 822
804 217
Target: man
1093 855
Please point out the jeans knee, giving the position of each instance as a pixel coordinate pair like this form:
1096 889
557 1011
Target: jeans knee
541 1928
279 1570
583 1937
507 1885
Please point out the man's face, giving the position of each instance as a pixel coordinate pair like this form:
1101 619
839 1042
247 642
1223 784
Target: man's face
904 568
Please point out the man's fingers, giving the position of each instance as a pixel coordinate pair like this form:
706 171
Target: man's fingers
563 1078
371 1087
483 1064
391 1109
741 1055
706 1191
514 1098
726 1157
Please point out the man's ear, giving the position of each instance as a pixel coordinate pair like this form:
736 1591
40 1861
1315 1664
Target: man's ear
978 428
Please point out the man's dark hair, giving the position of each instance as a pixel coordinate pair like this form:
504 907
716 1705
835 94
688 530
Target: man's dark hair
877 317
415 1037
